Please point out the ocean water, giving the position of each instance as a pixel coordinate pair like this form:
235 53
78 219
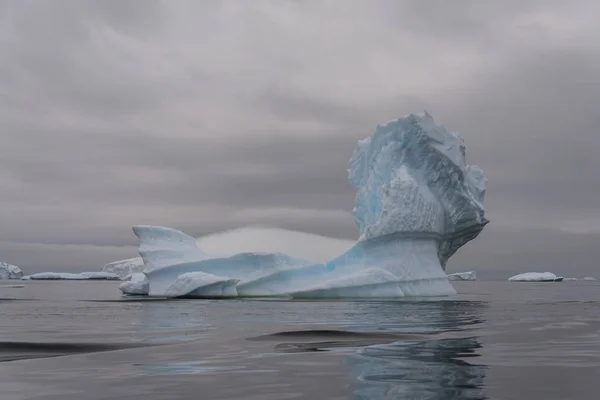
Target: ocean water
495 340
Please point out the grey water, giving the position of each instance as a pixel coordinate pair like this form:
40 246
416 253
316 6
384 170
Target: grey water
494 340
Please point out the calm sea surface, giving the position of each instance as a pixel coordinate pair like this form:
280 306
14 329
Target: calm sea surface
495 340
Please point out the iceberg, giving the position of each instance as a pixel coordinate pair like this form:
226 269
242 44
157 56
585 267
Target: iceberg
417 202
82 276
589 278
536 277
9 271
135 284
124 267
463 276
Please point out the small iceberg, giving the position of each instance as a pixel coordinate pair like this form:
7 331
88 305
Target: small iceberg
135 284
9 271
536 277
463 276
589 278
82 276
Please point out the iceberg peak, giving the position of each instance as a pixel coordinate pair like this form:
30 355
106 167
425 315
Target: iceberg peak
411 178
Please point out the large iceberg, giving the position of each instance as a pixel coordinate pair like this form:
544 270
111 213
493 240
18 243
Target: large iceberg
417 202
536 277
9 271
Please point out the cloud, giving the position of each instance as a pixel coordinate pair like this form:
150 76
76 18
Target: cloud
212 115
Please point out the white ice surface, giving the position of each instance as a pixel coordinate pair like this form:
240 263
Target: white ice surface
136 284
243 267
9 271
463 276
163 247
417 202
534 277
202 285
71 276
125 267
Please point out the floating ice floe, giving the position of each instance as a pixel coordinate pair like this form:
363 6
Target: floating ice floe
417 202
536 277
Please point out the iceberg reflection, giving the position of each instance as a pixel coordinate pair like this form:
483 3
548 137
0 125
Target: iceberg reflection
423 369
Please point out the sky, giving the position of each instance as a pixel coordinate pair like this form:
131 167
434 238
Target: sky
212 115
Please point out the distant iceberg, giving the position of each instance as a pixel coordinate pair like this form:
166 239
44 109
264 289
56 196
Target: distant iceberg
589 278
417 202
125 267
463 276
8 271
536 277
82 276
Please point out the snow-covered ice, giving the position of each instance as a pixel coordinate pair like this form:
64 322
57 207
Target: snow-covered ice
417 202
125 267
9 271
463 276
536 277
136 283
82 276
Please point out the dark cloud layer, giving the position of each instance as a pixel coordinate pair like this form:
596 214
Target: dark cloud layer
212 115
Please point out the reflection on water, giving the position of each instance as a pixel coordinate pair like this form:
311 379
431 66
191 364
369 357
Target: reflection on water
422 369
537 343
387 349
418 370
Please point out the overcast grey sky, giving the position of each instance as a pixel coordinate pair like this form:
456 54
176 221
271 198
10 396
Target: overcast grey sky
207 115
